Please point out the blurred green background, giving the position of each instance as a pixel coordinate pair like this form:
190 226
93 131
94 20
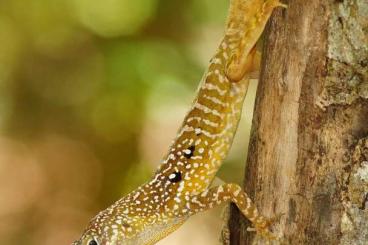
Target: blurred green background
91 95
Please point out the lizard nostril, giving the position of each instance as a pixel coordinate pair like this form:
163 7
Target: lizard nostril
126 225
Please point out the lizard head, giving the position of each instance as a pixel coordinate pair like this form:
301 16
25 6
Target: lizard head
120 224
111 227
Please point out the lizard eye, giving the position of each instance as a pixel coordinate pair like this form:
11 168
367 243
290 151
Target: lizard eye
175 177
92 242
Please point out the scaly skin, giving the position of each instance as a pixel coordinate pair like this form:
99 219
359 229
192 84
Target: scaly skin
181 186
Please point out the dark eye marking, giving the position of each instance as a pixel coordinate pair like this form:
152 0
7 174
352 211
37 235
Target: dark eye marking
198 131
175 177
92 242
126 225
188 153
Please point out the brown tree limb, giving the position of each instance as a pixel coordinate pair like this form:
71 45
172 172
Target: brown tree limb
308 153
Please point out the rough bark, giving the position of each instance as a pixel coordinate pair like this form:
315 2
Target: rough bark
308 153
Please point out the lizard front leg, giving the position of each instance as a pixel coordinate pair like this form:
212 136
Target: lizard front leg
231 193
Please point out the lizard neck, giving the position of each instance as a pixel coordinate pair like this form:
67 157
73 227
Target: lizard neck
207 132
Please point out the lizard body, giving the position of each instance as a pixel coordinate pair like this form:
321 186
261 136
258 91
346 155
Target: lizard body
181 185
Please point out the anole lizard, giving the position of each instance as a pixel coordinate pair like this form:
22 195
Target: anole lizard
181 186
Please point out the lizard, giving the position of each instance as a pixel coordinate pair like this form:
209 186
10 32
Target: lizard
181 187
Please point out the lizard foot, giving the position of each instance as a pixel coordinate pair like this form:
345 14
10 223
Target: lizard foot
262 228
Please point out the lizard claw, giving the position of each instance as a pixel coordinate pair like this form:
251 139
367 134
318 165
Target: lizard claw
262 228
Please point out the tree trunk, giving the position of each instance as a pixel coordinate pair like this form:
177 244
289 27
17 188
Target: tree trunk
308 153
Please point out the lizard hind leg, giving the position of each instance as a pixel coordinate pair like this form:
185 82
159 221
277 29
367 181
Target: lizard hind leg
249 68
244 32
231 193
